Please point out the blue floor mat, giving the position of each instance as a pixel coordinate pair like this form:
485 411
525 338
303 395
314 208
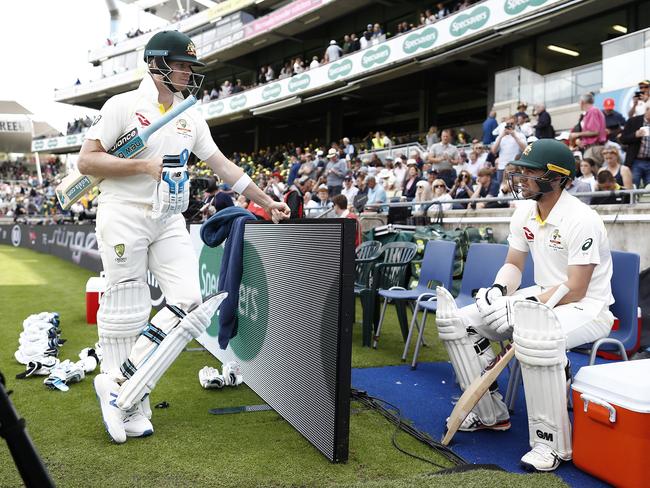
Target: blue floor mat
425 395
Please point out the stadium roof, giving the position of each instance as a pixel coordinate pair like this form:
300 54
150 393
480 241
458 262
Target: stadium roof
11 107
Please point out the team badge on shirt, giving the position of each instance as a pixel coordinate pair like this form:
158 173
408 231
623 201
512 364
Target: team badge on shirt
144 122
529 234
183 128
119 252
556 241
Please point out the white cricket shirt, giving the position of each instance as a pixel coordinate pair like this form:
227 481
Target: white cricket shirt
139 108
572 234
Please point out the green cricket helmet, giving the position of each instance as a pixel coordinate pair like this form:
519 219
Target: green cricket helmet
168 46
173 46
550 155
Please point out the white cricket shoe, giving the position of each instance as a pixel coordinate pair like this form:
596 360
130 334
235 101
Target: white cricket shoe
136 423
472 423
541 458
107 390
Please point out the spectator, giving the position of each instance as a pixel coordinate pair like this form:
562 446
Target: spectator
636 134
286 71
387 180
489 126
270 73
294 169
237 88
521 111
354 43
295 197
488 187
622 174
298 66
412 178
276 186
224 197
226 89
364 42
206 96
544 128
614 121
342 211
588 169
432 137
347 44
443 156
576 186
376 193
509 145
592 133
474 164
462 189
463 5
607 182
423 193
335 171
314 63
441 194
323 199
640 98
441 11
349 190
348 149
377 141
333 52
214 93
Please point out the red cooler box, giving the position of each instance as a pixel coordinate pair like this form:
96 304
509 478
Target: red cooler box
611 431
95 287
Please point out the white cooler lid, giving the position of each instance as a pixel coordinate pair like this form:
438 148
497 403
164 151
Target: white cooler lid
625 383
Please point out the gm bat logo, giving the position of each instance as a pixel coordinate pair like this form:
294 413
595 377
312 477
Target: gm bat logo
472 21
546 436
514 7
423 40
299 82
339 70
377 56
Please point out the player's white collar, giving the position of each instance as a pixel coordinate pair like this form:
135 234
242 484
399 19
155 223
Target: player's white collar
150 91
557 212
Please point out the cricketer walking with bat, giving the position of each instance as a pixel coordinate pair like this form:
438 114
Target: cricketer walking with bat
573 268
144 189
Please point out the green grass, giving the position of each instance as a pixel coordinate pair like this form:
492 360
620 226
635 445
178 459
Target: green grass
191 448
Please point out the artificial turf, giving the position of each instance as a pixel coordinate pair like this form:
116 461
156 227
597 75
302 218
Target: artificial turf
191 448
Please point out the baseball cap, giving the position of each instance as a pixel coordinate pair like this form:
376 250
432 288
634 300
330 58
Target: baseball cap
609 104
347 178
332 42
303 179
319 153
363 169
411 161
322 187
644 83
332 152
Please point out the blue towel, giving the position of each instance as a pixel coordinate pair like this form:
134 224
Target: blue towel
228 223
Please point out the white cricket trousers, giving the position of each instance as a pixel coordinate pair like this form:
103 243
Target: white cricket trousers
160 246
582 322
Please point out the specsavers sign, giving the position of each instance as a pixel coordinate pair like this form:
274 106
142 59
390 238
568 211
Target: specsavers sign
452 29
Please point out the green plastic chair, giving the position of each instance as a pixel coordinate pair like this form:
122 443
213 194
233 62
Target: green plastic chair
389 270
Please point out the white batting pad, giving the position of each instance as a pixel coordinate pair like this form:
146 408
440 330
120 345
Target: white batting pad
467 363
123 312
149 371
541 350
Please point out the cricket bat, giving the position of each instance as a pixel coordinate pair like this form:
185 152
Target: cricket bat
75 185
480 385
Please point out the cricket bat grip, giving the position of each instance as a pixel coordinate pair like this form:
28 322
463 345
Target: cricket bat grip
558 295
177 110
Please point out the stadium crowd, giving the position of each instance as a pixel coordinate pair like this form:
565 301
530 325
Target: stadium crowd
611 154
373 34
